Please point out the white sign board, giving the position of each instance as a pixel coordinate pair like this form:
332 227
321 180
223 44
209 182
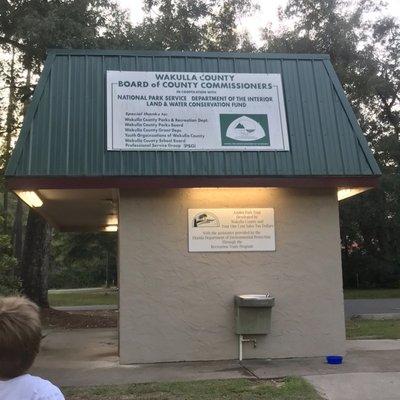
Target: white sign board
231 229
184 111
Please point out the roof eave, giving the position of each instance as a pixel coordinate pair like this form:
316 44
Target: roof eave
153 182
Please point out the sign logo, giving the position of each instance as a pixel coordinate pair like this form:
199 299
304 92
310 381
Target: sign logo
242 130
205 219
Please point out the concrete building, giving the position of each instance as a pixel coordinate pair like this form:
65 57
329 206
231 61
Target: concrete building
222 173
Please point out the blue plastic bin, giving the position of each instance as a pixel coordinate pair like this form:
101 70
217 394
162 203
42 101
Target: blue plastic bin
334 359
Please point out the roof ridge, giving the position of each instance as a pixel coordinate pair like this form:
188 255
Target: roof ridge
150 53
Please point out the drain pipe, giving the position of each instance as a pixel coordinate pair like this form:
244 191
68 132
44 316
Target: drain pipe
241 341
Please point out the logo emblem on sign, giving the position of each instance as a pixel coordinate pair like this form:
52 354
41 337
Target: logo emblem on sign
245 129
205 219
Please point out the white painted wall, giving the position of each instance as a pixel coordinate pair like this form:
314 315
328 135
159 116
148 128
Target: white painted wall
176 305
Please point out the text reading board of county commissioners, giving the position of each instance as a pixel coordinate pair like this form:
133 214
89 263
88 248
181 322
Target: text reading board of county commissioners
231 229
183 111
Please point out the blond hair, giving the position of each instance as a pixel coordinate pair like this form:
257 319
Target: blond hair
20 335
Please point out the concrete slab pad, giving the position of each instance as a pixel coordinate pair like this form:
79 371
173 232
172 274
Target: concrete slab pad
89 357
354 361
358 386
90 375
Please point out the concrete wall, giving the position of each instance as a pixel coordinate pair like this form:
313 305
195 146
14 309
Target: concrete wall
176 305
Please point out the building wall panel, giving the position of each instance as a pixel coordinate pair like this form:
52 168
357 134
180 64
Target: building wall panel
178 306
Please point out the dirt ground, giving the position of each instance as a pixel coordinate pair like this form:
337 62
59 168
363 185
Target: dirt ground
52 318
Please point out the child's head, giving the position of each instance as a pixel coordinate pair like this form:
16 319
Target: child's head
20 335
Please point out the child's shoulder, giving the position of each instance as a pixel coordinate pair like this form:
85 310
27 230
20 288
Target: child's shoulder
41 389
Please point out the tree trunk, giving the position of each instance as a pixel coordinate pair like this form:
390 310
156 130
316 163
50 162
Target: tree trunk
17 231
10 126
35 259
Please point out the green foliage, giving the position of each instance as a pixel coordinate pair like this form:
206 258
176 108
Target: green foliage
221 30
83 260
9 283
175 26
10 74
31 27
35 26
365 55
195 25
370 226
168 25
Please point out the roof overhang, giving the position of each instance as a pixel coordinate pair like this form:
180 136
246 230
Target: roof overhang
91 204
142 182
62 154
76 210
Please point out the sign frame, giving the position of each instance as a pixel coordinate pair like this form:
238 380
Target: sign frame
247 229
255 127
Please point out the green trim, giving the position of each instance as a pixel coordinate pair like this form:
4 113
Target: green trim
152 53
28 119
362 141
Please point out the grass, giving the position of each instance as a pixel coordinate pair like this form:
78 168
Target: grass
104 296
83 298
372 293
232 389
373 329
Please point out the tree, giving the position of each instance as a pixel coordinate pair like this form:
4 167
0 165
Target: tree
32 27
192 25
11 77
35 259
365 55
9 282
83 259
222 33
17 228
11 120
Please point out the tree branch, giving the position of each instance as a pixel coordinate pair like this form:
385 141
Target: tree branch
11 42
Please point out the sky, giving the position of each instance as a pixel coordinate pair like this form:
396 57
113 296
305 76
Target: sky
267 14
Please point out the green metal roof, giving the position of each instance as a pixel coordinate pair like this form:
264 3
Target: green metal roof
64 131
